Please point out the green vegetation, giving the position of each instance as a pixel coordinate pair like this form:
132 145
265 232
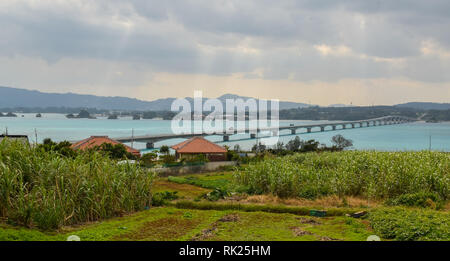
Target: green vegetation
190 224
347 113
219 180
261 208
63 148
184 191
411 224
370 174
437 115
45 189
221 184
114 151
421 199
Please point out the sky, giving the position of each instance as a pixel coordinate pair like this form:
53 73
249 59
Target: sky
313 51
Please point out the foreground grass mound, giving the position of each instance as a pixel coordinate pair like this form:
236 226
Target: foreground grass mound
370 174
410 224
48 190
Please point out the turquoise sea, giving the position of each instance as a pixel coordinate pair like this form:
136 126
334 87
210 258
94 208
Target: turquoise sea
411 136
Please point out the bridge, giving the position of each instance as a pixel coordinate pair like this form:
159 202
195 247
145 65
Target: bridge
320 127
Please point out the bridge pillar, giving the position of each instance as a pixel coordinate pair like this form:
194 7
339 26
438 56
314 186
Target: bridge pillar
353 125
308 130
334 127
344 126
226 137
322 128
293 131
252 135
150 145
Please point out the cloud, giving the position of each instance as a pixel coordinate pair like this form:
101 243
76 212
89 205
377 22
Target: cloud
301 41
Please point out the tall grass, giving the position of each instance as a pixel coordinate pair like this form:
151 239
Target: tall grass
48 190
352 173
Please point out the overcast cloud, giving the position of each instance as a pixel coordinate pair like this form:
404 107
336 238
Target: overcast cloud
151 49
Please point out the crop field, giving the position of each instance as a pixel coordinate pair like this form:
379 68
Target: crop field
405 196
377 175
47 190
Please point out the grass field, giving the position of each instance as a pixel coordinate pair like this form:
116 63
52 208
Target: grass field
167 223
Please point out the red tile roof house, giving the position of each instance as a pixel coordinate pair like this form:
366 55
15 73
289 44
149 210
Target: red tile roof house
199 145
94 141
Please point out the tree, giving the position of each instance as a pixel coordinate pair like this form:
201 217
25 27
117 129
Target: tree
164 149
237 148
340 142
310 145
279 146
117 151
294 145
259 147
148 159
63 147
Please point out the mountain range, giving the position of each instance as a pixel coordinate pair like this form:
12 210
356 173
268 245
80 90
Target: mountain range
15 97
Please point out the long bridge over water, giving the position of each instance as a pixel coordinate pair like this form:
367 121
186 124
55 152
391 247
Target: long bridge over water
319 127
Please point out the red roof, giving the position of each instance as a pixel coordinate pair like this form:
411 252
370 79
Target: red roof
198 145
94 141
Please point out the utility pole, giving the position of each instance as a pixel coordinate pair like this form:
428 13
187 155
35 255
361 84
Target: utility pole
430 144
35 136
132 137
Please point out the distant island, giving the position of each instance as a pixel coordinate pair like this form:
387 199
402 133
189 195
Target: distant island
84 114
77 106
9 114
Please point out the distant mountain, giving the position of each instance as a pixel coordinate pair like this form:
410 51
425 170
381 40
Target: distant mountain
14 97
283 105
425 105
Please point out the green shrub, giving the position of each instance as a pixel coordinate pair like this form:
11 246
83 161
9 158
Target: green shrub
161 198
217 194
46 189
410 224
421 199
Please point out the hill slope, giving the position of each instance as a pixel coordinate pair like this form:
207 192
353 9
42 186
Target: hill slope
14 97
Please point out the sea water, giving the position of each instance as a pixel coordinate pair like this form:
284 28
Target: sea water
409 136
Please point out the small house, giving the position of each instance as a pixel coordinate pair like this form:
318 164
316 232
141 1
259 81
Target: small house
95 141
200 146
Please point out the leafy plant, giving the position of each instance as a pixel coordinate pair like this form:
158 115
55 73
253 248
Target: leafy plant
410 224
161 198
420 199
46 189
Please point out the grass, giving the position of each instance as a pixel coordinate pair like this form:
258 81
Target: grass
48 190
221 180
261 208
369 174
189 224
184 191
